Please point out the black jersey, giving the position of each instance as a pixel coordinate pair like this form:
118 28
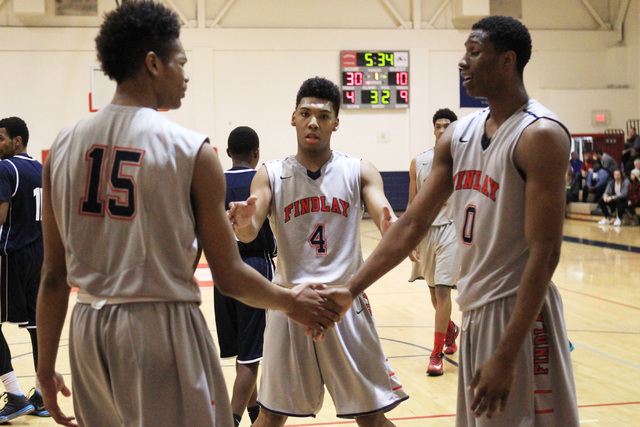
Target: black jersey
21 187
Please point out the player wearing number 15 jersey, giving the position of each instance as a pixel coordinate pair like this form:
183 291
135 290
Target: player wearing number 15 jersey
315 202
125 193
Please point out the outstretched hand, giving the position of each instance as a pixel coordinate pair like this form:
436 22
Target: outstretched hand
50 386
492 384
388 218
240 213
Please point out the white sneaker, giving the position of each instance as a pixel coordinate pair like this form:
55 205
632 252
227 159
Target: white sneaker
603 221
617 222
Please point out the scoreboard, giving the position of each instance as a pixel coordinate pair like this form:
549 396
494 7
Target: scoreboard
375 79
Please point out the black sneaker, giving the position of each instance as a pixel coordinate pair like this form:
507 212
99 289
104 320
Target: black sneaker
15 407
38 403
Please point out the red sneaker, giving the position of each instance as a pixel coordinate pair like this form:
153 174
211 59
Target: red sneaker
450 346
436 367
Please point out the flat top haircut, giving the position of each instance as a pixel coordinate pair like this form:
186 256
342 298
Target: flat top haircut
132 30
15 127
319 87
507 34
243 140
444 113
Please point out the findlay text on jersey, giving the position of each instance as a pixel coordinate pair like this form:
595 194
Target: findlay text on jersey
474 180
316 204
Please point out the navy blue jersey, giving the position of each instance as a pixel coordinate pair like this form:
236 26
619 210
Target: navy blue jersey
239 189
21 187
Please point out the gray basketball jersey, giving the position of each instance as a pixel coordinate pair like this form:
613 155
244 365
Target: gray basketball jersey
424 163
121 183
488 202
316 221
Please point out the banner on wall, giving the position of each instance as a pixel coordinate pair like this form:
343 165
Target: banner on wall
467 101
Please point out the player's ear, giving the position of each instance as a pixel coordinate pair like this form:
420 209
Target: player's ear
229 153
335 128
293 118
153 63
510 59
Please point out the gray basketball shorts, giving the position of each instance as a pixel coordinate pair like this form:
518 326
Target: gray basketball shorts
147 364
350 362
543 393
439 260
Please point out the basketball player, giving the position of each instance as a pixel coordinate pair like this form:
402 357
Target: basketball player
20 257
124 193
505 166
240 327
436 257
314 200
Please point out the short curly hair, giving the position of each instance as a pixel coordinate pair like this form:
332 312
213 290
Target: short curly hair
444 113
243 140
15 126
319 87
132 30
507 33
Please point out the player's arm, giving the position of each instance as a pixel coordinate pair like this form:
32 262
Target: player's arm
51 311
231 275
413 186
541 154
247 217
4 210
413 190
376 202
407 231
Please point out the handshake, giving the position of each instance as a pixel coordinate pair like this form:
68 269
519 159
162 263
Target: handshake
318 307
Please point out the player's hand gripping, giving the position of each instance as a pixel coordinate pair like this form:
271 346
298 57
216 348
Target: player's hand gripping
341 296
50 386
313 310
492 384
240 213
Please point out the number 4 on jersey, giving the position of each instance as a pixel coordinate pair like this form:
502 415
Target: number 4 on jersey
318 240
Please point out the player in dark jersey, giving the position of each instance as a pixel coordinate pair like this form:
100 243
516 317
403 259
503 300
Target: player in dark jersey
241 327
21 254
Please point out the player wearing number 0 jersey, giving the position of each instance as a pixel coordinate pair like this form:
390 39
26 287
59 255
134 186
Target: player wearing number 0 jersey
505 166
489 200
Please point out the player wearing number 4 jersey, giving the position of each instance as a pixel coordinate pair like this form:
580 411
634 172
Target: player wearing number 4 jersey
315 203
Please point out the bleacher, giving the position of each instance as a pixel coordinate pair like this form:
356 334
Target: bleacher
611 141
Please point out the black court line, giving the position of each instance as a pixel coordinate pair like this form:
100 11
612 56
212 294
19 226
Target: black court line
599 244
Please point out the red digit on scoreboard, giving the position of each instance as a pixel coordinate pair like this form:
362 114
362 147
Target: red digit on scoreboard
350 95
403 96
354 78
402 78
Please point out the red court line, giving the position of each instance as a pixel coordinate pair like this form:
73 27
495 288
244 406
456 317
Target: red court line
600 298
427 417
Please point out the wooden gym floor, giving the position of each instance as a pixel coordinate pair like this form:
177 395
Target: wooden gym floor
598 277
